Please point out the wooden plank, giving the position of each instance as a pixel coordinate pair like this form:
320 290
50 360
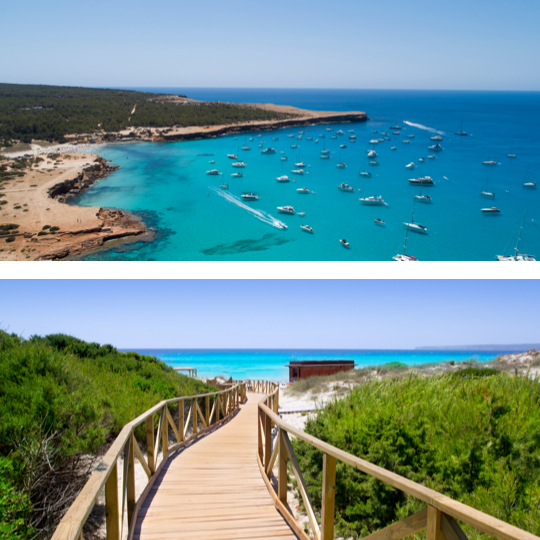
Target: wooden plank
131 495
451 529
273 458
171 422
150 444
181 430
267 441
328 497
194 408
203 420
207 410
165 430
140 456
282 468
187 420
111 505
433 529
408 526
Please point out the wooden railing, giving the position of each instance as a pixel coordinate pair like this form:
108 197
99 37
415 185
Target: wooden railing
438 518
218 407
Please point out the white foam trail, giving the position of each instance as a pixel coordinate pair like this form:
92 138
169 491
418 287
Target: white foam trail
259 214
420 126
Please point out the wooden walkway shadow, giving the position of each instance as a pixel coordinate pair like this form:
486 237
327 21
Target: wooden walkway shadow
214 490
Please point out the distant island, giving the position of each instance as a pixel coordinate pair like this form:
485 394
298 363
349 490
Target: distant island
516 348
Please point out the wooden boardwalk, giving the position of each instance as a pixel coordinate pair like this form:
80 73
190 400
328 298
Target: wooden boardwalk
213 490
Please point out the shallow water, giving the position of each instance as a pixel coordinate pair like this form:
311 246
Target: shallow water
270 364
169 181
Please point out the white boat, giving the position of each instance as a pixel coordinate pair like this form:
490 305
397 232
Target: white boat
324 156
345 187
294 146
395 127
232 156
406 141
324 152
373 162
343 146
341 165
421 160
373 201
246 147
291 135
492 210
298 171
275 138
404 257
432 156
340 132
344 242
374 141
423 198
461 133
485 192
224 186
396 133
379 222
299 137
310 138
393 148
365 173
352 137
237 175
212 162
283 178
416 227
372 154
350 131
300 164
250 197
261 145
259 135
213 172
239 165
517 256
425 181
436 138
528 183
511 154
285 210
410 165
490 163
333 136
307 228
411 136
303 190
328 129
284 158
268 151
436 147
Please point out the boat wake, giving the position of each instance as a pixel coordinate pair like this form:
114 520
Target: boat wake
259 214
420 126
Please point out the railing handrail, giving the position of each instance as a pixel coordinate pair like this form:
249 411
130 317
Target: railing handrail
476 518
70 527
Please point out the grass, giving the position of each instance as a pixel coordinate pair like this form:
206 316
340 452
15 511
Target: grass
474 437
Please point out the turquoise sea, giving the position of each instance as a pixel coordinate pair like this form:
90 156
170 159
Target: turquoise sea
196 220
270 363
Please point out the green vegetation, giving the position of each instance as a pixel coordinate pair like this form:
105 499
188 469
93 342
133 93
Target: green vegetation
472 435
8 227
10 239
50 112
60 400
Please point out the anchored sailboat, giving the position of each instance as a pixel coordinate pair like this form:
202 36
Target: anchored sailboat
517 256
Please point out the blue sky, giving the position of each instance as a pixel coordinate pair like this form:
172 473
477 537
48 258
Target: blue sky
362 314
479 44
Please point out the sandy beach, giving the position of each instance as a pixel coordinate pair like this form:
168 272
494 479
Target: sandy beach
28 204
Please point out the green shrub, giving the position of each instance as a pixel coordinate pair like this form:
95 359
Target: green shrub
42 233
8 227
476 440
10 239
45 227
54 229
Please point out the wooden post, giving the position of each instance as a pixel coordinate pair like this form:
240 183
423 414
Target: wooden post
218 401
164 431
328 497
111 505
207 409
181 419
150 443
434 531
267 440
131 480
260 422
194 415
282 468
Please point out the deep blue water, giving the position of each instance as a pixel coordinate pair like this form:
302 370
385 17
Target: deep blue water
270 364
197 222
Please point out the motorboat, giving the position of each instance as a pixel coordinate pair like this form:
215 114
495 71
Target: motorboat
328 129
423 198
246 147
268 151
406 141
375 200
461 133
261 145
374 141
213 172
344 242
294 146
395 127
285 210
299 137
232 156
378 222
372 154
410 165
411 135
380 140
341 165
421 160
340 132
345 187
239 165
492 210
307 228
383 132
436 138
283 178
373 162
393 148
352 137
343 146
224 186
490 163
396 132
387 139
284 158
298 171
250 197
260 136
432 156
436 147
425 181
303 190
291 135
212 162
237 175
517 256
416 227
300 164
251 138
